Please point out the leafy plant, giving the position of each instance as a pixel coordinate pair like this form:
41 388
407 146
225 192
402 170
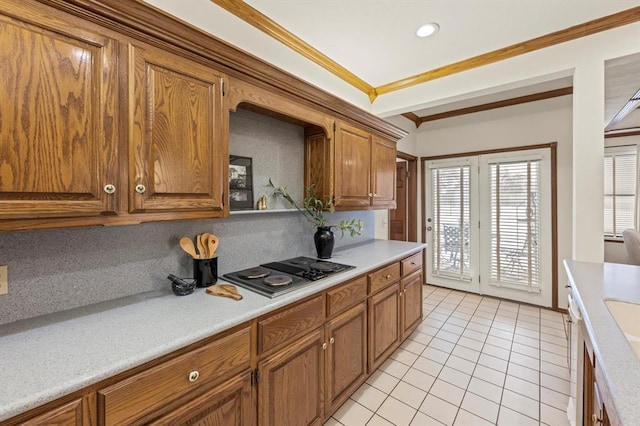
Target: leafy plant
314 209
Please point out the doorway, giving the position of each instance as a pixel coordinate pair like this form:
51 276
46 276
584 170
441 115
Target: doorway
489 223
403 222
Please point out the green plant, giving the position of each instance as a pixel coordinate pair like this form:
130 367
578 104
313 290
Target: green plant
314 209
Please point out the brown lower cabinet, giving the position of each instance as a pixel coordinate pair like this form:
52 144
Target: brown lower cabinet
294 366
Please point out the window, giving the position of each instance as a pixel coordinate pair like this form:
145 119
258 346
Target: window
620 187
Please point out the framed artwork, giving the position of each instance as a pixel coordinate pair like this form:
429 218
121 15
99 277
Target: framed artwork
240 183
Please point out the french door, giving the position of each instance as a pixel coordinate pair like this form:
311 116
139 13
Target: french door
488 224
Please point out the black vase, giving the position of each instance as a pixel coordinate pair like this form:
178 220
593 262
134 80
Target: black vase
324 240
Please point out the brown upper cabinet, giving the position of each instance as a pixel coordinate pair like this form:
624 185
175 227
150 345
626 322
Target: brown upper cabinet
117 113
102 129
357 168
58 126
178 125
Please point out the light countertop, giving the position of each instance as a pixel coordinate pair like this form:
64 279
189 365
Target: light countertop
593 283
46 357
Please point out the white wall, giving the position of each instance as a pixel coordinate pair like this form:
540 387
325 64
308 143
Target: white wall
526 124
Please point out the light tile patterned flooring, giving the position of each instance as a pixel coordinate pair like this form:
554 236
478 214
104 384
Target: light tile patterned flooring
473 361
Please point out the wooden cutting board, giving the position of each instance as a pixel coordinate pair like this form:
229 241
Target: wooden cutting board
224 290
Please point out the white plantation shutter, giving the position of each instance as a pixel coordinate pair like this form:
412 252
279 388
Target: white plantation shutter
450 213
515 223
620 187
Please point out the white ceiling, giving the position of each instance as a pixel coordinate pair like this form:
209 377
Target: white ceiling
375 40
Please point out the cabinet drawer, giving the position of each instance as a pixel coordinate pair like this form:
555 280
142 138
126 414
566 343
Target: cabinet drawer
411 264
384 277
132 398
280 327
346 295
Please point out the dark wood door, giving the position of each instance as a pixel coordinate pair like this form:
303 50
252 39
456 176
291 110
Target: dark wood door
383 172
346 355
411 303
178 125
291 384
398 216
384 324
353 167
58 115
226 405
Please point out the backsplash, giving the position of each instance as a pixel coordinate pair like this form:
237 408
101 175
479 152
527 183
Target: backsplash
55 270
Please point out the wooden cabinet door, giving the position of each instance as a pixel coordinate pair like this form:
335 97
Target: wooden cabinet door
58 115
291 384
229 404
179 153
69 414
383 173
384 324
353 167
346 356
411 303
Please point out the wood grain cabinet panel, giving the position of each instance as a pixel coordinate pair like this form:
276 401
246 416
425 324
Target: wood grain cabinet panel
383 173
352 167
291 386
178 124
69 414
346 295
411 264
384 277
229 404
58 116
411 288
281 327
148 392
384 324
347 355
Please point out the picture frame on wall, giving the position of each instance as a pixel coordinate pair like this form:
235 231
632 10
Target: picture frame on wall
240 183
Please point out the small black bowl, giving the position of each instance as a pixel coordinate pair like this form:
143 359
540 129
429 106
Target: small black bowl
180 286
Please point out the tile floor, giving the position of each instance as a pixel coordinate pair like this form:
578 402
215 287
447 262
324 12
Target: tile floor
473 361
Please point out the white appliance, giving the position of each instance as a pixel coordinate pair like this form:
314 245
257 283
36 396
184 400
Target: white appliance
575 359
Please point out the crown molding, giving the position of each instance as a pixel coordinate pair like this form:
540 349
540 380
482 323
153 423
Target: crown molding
255 18
489 106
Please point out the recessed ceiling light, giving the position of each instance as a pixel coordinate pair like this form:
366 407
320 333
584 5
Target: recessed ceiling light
427 29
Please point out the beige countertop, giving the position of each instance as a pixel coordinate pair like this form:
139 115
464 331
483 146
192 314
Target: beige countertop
592 284
46 357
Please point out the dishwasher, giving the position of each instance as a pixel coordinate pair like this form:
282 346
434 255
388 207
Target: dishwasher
575 360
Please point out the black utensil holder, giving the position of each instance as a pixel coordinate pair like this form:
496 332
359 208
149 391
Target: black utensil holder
205 271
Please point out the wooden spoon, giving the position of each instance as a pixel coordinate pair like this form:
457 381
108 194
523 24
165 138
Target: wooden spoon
187 245
211 243
202 248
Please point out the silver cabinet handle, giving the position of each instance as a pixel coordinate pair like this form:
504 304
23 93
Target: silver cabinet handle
109 188
332 340
140 188
193 376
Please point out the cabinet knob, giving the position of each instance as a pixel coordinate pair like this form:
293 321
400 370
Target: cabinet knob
324 346
109 188
429 228
388 276
595 420
370 195
193 376
413 263
332 340
140 188
375 195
